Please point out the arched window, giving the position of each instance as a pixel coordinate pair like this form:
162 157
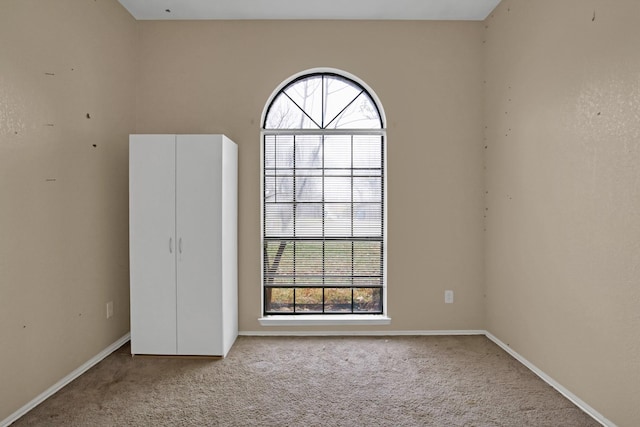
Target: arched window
323 198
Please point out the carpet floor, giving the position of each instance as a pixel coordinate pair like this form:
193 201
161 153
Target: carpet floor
315 381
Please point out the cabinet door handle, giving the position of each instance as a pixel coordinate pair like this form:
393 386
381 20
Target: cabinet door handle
180 245
170 245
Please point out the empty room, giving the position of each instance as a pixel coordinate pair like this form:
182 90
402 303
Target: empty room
421 212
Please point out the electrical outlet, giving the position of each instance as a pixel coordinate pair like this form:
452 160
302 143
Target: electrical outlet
448 297
109 309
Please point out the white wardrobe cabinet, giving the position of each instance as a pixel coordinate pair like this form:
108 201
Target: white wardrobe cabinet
183 244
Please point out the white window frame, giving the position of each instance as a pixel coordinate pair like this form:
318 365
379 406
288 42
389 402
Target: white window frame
324 319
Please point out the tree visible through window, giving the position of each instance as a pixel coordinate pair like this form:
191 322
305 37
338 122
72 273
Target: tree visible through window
323 199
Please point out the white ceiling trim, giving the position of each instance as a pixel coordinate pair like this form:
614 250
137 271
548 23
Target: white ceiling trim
463 10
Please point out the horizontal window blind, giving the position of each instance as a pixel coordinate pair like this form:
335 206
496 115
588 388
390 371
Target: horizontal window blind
323 223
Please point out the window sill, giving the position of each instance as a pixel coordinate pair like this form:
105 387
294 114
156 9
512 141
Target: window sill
325 320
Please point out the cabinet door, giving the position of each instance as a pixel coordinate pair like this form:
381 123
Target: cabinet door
198 199
152 247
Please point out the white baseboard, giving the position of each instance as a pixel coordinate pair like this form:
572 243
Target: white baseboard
355 333
64 381
553 383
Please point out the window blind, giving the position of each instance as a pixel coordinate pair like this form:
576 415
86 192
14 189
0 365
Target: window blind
323 223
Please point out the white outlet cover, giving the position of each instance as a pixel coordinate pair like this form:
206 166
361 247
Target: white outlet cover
109 309
448 297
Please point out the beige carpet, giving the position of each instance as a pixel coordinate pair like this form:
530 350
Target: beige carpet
315 381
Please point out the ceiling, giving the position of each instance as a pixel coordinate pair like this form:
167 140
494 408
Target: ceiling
466 10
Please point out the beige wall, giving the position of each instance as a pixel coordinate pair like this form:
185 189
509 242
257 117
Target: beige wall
63 202
215 77
563 180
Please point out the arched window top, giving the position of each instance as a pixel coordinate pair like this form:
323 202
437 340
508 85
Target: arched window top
323 100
